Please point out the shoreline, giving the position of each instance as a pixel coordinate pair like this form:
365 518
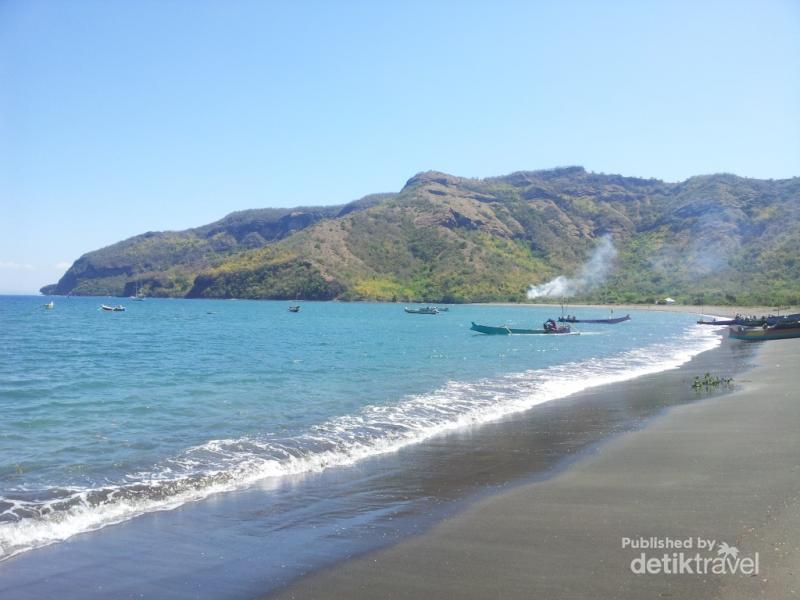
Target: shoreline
697 469
219 544
695 309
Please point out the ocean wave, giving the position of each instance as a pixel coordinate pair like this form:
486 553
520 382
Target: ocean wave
27 521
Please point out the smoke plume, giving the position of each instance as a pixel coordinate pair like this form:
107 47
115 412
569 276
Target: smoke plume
591 274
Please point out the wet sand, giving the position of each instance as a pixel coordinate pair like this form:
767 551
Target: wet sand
726 468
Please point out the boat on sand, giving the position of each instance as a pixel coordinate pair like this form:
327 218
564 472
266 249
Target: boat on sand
782 330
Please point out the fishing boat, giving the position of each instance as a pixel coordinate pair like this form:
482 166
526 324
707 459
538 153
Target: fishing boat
117 308
717 322
782 330
294 308
572 319
423 310
550 328
49 305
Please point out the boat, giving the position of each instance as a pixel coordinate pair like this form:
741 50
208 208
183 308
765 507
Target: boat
137 297
442 308
752 321
49 305
294 309
550 328
424 310
783 330
117 308
717 322
571 319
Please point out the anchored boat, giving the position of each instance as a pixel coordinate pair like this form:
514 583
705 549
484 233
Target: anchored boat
424 310
550 328
117 308
572 319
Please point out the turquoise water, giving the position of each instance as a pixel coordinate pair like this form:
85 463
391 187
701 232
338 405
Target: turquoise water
106 416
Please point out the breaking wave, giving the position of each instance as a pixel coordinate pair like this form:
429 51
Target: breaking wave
34 518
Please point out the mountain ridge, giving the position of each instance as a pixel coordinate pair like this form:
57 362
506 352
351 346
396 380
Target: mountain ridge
716 238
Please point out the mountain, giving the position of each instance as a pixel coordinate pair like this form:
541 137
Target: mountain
714 238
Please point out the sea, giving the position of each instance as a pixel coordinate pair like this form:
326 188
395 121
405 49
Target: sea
281 432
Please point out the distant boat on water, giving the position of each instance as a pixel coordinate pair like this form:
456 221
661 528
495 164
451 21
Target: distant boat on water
49 305
782 330
423 310
550 328
117 308
717 322
138 297
572 319
294 308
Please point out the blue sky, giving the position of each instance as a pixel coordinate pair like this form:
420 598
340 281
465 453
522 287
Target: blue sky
123 117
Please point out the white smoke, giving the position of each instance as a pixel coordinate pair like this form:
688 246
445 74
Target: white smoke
592 273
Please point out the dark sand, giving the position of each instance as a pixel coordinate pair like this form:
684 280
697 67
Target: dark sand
726 468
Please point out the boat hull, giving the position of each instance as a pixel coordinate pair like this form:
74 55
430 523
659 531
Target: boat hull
720 322
603 321
489 330
759 334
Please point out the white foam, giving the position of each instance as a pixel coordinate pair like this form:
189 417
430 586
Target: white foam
228 464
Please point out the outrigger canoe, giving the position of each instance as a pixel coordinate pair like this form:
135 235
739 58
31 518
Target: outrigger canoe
780 331
605 321
489 330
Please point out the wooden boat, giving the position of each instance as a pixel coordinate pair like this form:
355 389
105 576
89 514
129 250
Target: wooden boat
782 330
751 321
604 321
717 322
294 309
489 330
117 308
424 310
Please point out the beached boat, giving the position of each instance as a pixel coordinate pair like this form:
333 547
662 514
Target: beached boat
117 308
783 330
294 309
424 310
571 319
550 328
752 321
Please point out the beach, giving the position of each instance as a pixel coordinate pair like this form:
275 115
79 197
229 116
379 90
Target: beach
481 421
723 469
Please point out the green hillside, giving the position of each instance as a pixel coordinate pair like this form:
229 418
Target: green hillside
716 239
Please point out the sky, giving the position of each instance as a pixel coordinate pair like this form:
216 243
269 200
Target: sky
118 118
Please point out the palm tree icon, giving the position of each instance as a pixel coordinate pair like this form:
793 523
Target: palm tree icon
726 551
